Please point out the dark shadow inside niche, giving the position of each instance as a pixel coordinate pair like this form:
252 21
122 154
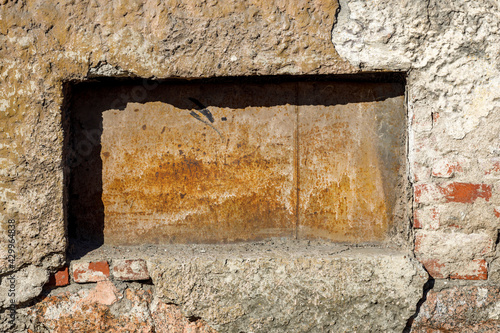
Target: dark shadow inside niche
85 103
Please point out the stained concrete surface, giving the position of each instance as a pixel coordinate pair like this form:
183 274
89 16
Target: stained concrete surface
226 162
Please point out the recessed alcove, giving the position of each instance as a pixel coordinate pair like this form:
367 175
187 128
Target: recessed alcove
235 159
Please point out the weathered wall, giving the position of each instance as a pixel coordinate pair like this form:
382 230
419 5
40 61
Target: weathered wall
449 50
45 43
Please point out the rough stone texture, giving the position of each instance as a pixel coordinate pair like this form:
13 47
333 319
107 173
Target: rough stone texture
450 50
28 283
46 43
106 308
168 318
454 254
293 291
460 309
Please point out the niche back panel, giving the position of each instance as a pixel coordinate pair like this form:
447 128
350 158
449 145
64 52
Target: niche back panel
184 162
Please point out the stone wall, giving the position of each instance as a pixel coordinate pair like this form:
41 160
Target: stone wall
450 53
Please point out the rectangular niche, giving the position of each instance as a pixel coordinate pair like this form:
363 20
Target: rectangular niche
240 160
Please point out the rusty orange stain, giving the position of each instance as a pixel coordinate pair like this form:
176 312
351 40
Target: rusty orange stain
187 179
349 167
235 162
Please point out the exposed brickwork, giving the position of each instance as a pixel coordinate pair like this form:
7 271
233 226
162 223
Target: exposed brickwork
478 269
84 272
59 278
434 267
104 292
433 250
460 309
466 193
448 49
130 270
426 193
453 192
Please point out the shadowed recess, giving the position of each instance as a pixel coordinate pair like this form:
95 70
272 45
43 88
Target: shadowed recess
238 160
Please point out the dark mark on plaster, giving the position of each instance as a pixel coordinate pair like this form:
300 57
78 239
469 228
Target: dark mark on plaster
204 111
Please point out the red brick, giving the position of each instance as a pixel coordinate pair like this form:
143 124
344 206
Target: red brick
90 271
130 269
466 192
59 278
105 292
453 192
453 254
434 267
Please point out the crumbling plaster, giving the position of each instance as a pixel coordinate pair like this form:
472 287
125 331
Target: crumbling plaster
46 43
451 52
449 49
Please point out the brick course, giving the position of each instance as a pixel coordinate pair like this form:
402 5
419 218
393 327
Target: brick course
84 272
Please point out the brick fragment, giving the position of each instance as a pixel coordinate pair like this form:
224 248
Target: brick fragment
496 210
476 269
84 272
445 168
59 278
460 309
453 255
130 269
426 193
466 192
452 192
105 292
434 267
453 245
